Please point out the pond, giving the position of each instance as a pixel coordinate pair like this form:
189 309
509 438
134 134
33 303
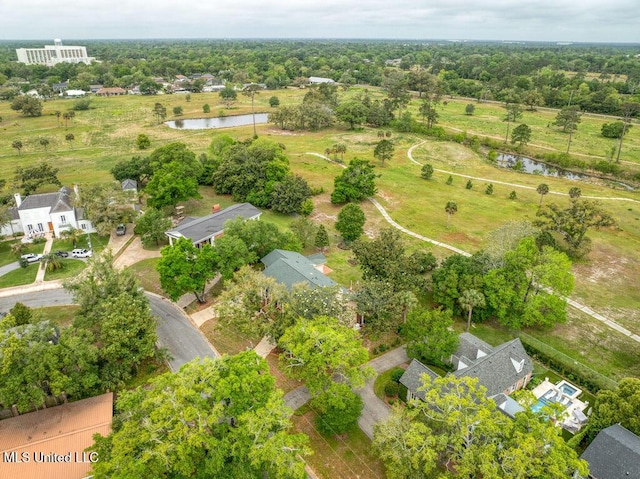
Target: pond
528 165
221 122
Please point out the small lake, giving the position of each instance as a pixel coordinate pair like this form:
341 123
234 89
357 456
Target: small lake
221 122
527 165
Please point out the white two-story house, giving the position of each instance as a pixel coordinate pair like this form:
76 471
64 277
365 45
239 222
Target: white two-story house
49 213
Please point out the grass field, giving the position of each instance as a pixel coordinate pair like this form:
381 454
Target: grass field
606 280
70 269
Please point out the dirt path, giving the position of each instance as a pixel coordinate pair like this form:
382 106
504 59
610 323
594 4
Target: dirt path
571 302
515 185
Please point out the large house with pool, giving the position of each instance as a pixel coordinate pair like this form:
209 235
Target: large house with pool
501 369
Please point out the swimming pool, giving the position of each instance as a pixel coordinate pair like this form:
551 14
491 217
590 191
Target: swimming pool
569 389
540 404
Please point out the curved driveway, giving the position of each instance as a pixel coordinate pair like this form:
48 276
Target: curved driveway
175 331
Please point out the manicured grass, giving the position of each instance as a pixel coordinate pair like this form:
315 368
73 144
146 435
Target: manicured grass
70 268
20 276
62 316
351 456
98 243
6 256
146 273
381 381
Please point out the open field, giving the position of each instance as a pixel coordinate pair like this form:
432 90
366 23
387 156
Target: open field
606 280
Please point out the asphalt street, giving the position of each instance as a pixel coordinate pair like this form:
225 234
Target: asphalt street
175 331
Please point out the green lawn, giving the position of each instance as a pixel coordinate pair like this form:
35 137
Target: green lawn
6 256
70 268
62 316
20 276
227 339
146 273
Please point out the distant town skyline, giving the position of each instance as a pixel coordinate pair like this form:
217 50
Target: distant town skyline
611 21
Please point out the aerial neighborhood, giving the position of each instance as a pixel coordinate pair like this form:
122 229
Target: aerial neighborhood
319 259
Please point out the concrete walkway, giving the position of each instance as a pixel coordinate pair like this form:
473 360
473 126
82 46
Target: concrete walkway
42 267
7 268
264 347
132 254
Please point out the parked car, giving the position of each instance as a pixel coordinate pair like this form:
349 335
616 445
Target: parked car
31 257
61 254
121 229
81 253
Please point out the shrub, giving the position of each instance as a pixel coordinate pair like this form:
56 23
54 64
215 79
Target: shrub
427 171
391 389
489 189
397 374
492 155
450 180
469 185
82 104
606 167
512 195
206 108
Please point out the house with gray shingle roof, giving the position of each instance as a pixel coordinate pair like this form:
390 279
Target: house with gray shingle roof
501 369
289 268
50 213
207 228
412 379
613 454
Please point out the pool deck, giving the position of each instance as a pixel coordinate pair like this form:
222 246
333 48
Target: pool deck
573 404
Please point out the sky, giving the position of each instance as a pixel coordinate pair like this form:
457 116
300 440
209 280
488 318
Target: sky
616 21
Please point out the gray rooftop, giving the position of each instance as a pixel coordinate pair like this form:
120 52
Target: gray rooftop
289 268
412 377
129 184
613 454
500 368
57 202
507 405
202 229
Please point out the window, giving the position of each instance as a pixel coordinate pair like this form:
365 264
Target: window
83 226
63 219
30 228
40 227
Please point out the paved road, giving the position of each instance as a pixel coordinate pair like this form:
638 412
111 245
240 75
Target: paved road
374 410
7 268
175 331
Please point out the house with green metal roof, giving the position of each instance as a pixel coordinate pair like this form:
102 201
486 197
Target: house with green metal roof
289 268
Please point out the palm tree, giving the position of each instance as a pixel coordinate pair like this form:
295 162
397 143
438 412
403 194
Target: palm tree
451 209
542 190
470 299
72 234
342 149
17 144
407 301
251 91
575 192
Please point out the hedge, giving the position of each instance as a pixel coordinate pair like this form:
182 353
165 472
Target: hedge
576 372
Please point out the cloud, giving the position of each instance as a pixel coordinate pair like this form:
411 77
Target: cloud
573 20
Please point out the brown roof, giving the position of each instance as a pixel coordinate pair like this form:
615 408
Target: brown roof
65 430
111 91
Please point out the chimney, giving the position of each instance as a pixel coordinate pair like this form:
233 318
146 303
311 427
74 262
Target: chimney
215 208
18 199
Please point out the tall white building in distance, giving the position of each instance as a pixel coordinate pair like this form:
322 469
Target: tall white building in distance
52 54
